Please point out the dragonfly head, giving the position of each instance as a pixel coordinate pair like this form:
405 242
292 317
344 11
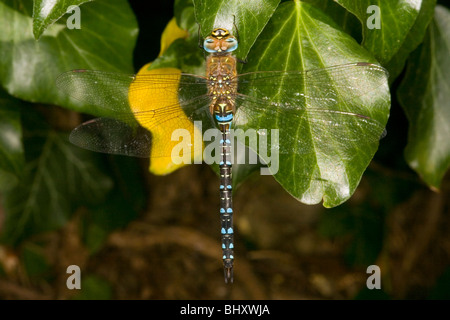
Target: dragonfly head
219 41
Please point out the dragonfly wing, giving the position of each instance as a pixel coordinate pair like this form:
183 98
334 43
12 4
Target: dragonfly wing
346 88
324 125
180 125
112 91
337 104
112 136
160 103
106 90
175 108
153 135
307 131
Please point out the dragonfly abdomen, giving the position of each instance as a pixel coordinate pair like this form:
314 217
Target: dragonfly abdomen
223 113
226 206
222 90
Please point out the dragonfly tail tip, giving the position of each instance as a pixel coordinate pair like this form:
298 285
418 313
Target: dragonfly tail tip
228 273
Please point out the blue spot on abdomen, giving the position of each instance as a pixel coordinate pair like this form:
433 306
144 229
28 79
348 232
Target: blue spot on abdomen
226 118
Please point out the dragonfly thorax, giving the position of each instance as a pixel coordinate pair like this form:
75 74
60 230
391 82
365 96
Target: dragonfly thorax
222 87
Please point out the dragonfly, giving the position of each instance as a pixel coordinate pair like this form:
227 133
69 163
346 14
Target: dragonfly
319 100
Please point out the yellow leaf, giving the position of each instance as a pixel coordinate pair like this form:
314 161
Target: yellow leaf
154 98
171 33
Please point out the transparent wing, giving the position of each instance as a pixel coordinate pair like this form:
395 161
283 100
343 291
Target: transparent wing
111 90
96 88
112 136
319 88
330 111
157 102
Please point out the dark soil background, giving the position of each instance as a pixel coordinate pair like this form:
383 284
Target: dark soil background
173 250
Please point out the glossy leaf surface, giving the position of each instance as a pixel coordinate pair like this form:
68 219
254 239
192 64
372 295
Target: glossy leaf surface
330 113
46 12
28 68
424 95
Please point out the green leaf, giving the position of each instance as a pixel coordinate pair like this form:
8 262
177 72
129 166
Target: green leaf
57 178
183 54
424 95
237 16
185 16
327 161
396 20
323 158
28 68
412 41
46 12
346 20
121 206
11 148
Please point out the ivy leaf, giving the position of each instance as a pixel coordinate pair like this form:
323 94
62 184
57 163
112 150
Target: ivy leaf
11 148
424 95
122 204
319 161
396 20
237 16
346 20
57 177
183 54
46 12
413 39
28 68
185 16
326 161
